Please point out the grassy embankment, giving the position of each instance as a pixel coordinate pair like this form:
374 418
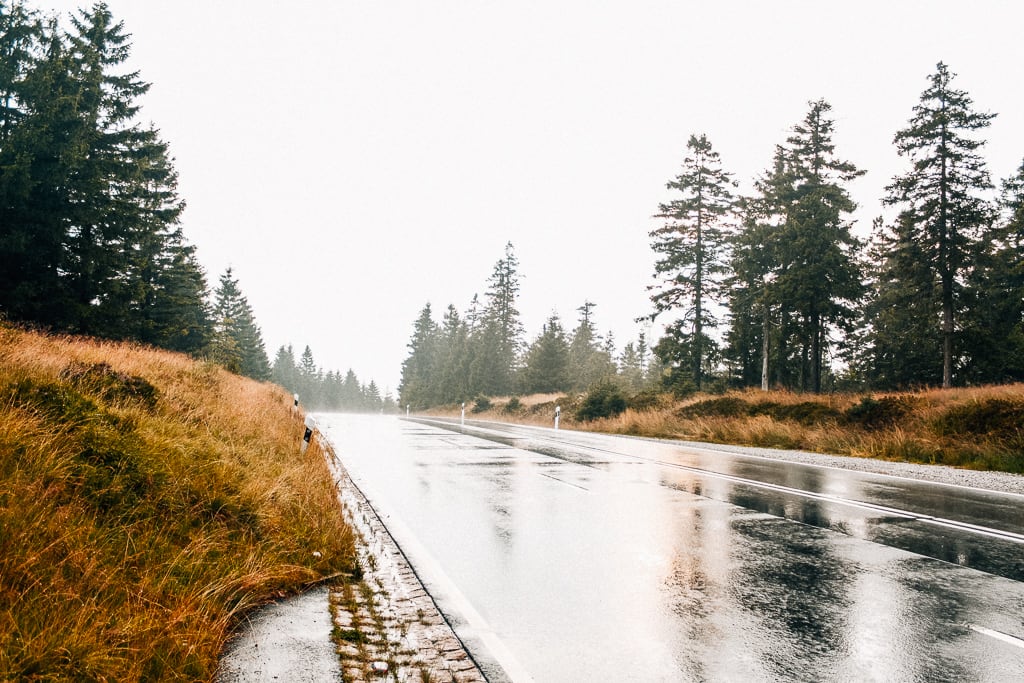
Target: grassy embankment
146 501
979 428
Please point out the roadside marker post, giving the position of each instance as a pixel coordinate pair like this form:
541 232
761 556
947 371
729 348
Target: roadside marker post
462 420
308 436
558 413
295 405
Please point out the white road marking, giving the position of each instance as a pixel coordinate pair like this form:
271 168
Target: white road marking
562 481
998 635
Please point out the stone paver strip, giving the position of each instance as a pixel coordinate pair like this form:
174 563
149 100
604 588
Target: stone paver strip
389 618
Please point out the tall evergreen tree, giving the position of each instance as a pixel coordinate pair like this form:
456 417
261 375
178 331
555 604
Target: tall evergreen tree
901 349
20 36
993 326
42 145
943 209
796 274
547 361
820 278
237 341
497 342
174 314
589 362
417 387
108 188
756 341
284 370
453 361
691 246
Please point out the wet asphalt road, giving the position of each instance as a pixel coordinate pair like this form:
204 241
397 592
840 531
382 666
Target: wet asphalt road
578 557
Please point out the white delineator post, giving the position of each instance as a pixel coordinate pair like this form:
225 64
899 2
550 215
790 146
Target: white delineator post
295 405
558 414
462 420
407 410
308 436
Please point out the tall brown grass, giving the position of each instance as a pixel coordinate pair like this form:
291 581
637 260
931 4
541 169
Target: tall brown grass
146 502
979 427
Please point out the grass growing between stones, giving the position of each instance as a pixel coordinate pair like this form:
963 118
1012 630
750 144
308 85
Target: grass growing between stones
146 502
978 428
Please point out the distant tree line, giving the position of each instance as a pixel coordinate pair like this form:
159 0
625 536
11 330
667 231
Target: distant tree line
327 391
775 290
483 351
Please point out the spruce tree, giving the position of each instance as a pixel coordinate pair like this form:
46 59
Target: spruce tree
453 358
993 343
546 368
756 341
237 341
943 209
42 146
589 362
417 386
497 342
107 187
285 372
819 276
691 247
901 349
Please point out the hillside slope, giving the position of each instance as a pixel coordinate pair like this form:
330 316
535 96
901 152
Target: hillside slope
146 501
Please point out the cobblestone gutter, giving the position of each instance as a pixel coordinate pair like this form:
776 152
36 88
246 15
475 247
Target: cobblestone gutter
386 626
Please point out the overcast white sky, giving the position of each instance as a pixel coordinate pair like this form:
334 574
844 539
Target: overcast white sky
354 160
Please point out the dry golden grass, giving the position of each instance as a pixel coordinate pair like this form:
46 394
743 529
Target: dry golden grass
146 501
980 427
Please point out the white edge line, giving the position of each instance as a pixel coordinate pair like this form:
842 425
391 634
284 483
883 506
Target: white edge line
998 635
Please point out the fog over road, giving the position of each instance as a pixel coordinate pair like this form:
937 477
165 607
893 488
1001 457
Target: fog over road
569 556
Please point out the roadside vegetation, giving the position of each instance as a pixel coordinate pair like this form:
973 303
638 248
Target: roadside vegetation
976 428
147 501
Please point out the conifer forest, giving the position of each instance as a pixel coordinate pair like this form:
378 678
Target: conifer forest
771 288
774 289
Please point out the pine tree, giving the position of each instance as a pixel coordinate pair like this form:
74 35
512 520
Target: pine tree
454 361
42 144
237 342
547 361
417 387
901 349
993 343
173 310
691 246
758 322
285 372
497 342
589 362
796 274
20 36
943 209
820 278
108 186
